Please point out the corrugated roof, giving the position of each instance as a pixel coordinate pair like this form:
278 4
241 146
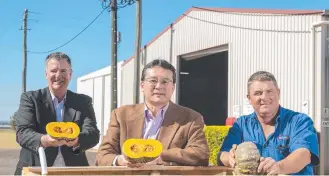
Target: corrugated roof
237 11
262 11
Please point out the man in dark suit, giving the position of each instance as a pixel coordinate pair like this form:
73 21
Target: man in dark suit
179 129
51 104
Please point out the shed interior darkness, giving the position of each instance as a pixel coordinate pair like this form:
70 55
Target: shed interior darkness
205 87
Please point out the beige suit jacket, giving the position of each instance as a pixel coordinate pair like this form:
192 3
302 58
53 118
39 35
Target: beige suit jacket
181 135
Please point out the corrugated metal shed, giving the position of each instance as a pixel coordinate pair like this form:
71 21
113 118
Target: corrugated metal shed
278 41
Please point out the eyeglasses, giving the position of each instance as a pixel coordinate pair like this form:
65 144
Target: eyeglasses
154 81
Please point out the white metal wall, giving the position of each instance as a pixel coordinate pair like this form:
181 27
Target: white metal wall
127 83
276 43
97 85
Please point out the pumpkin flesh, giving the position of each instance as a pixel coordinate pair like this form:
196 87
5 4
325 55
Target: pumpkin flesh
63 130
141 150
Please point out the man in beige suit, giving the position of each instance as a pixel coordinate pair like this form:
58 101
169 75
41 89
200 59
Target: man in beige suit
179 129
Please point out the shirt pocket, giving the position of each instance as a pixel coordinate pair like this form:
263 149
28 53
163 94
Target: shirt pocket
283 144
279 149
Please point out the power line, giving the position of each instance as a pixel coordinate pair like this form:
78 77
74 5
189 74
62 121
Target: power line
246 28
38 13
71 38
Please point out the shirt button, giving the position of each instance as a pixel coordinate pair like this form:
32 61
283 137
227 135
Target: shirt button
265 145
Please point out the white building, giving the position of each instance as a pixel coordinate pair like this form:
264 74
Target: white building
215 50
97 85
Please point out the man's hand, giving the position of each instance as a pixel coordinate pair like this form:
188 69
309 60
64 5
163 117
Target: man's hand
269 166
73 143
48 141
231 157
122 161
156 161
275 169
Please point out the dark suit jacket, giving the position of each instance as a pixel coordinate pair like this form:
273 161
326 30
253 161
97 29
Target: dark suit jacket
181 134
36 110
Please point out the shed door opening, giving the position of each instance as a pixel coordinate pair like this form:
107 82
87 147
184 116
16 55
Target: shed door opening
203 86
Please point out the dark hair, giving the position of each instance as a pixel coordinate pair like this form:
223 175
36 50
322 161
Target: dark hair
59 56
161 63
262 76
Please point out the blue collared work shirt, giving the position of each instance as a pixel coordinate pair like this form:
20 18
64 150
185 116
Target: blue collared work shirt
293 130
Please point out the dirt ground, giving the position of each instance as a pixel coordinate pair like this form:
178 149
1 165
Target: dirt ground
9 152
8 139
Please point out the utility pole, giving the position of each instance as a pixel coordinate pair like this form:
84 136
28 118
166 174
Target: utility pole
114 50
25 51
137 50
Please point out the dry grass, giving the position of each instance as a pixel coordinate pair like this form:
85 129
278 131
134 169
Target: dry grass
8 139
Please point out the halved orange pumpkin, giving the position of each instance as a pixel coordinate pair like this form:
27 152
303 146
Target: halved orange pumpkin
63 130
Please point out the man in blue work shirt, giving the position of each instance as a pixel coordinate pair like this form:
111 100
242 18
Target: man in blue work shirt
286 140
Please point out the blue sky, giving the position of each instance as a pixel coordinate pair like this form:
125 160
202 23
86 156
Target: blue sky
54 22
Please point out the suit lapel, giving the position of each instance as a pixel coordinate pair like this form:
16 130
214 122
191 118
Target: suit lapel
169 126
69 112
135 124
48 102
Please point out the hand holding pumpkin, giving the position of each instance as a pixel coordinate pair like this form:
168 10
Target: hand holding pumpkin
232 155
269 165
123 161
48 141
72 143
156 161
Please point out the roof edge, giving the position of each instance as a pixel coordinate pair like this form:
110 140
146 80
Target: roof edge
232 10
265 11
160 34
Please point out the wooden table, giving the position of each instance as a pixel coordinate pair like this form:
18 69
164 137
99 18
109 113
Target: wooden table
120 170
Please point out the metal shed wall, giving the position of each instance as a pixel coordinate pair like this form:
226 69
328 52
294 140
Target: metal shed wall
278 43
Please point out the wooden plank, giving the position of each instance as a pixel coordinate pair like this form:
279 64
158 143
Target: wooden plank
119 170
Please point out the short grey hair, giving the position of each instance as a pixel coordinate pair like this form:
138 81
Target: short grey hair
59 56
262 76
